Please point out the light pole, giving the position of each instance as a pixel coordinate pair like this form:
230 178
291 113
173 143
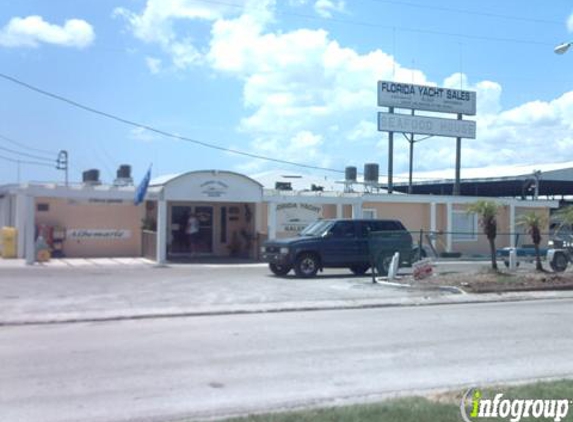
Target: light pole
562 48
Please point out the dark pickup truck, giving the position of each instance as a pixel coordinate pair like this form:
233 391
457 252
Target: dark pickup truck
339 243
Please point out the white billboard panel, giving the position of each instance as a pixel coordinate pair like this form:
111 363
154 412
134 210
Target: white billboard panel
428 98
422 125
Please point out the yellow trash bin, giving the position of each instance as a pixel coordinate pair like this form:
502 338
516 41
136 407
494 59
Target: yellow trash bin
9 242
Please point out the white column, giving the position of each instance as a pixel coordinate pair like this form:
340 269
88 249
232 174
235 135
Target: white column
449 212
272 220
161 251
258 217
20 223
512 225
357 210
339 211
433 223
30 230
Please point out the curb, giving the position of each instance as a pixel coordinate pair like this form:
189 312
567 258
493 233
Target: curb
309 308
449 289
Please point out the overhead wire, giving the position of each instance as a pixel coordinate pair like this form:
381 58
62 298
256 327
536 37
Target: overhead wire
389 27
36 157
159 131
171 135
22 145
469 12
17 161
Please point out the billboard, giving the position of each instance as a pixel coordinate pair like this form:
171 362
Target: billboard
422 125
428 98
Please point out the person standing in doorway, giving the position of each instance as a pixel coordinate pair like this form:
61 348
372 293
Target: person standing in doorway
192 231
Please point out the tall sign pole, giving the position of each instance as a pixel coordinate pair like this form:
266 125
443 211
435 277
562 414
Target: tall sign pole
390 157
411 169
457 189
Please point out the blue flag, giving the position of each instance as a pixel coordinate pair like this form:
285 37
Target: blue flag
142 188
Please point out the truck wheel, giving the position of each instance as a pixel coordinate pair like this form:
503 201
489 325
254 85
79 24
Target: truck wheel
280 270
559 262
383 264
306 265
359 269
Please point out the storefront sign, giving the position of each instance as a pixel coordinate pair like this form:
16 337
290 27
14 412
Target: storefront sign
293 217
428 98
422 125
99 201
214 188
108 234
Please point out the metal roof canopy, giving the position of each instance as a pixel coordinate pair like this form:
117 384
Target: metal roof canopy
517 187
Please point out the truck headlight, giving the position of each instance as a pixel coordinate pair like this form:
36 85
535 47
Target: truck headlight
550 243
262 249
283 251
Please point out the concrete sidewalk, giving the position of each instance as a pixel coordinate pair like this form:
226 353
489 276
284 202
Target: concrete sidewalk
77 262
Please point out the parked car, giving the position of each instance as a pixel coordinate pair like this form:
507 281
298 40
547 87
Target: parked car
339 243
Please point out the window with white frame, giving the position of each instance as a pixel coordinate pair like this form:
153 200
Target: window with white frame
464 226
369 213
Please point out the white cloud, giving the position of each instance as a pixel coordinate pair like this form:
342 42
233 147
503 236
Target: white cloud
31 31
141 134
325 8
153 64
156 23
570 23
309 99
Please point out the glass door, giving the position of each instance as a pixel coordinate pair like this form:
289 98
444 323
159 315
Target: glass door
179 242
205 236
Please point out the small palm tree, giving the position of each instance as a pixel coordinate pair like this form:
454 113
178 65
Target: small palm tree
565 215
533 222
487 211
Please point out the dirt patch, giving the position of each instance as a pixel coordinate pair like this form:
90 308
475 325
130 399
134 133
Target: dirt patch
498 282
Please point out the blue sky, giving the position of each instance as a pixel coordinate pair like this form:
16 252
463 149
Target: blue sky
288 79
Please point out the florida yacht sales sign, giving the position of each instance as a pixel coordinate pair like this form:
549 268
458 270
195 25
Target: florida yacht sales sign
427 98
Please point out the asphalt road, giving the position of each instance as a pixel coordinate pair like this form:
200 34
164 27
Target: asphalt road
199 367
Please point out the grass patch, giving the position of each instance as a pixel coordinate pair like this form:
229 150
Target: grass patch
442 408
506 278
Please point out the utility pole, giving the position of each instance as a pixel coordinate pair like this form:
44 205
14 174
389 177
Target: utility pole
62 164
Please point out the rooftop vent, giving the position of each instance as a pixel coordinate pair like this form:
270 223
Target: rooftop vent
123 176
350 174
371 173
91 177
283 185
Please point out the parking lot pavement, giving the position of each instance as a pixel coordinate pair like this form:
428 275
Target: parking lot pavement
101 290
52 293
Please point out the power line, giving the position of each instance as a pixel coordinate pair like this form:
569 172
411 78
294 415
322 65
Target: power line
14 160
390 27
159 131
22 145
469 12
37 157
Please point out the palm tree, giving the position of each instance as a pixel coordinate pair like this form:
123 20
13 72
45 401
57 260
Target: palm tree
487 211
565 215
533 222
